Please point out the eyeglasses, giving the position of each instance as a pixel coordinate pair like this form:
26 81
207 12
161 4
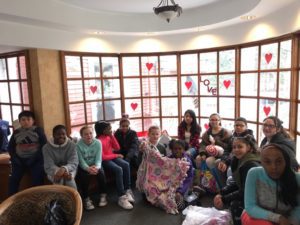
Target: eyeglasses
271 126
239 125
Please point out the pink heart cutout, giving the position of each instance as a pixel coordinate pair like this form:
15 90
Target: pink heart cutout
206 126
188 84
226 83
93 89
149 66
267 110
133 105
268 57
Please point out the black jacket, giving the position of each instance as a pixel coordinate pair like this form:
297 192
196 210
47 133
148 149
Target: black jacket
129 143
240 168
289 144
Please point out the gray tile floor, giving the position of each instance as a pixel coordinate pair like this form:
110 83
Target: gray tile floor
143 213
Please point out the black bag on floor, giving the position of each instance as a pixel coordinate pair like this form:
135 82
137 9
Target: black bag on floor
55 214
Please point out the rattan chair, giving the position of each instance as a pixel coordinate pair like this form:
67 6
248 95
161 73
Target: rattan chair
28 207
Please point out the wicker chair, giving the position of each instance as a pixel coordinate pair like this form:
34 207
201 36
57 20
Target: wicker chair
28 207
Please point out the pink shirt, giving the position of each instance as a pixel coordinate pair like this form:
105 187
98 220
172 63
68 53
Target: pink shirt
109 143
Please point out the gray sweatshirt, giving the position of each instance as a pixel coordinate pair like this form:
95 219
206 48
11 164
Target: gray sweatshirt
56 156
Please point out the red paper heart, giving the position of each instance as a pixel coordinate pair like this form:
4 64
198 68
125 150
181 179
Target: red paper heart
149 66
267 110
206 126
226 83
188 84
133 105
93 89
268 57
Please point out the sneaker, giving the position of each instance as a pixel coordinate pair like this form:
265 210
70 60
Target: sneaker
88 204
103 200
124 203
130 196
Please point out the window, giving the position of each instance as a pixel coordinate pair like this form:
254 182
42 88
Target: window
93 90
14 86
265 83
252 81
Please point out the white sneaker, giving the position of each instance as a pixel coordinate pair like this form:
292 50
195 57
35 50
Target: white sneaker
130 196
103 200
124 203
88 204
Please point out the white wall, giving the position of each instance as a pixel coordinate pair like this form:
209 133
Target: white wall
284 21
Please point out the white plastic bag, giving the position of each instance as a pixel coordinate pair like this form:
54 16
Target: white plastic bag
164 140
195 215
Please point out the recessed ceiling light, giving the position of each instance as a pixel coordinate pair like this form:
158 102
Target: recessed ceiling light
248 17
98 32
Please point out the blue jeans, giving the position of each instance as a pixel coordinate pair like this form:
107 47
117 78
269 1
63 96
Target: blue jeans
121 170
19 168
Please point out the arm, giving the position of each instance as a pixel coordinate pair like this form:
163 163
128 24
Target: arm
12 146
114 143
72 162
98 159
133 148
224 141
49 164
251 205
82 162
188 180
295 214
205 142
194 142
42 136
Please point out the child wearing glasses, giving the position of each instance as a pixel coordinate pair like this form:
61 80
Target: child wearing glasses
240 130
275 133
215 141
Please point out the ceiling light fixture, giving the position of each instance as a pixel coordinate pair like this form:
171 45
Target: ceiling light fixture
166 11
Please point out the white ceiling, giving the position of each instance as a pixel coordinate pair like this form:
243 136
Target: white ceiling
128 17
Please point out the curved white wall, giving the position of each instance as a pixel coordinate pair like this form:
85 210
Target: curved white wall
284 21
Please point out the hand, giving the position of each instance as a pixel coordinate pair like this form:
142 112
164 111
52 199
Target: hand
212 140
93 170
198 161
222 167
218 203
67 176
143 146
284 221
59 174
120 156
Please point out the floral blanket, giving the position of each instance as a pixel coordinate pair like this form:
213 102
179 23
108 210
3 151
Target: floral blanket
159 177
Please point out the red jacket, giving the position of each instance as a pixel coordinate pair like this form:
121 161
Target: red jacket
109 143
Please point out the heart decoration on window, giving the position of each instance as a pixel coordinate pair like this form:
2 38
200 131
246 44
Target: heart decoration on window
188 84
149 66
267 110
206 126
227 83
134 106
93 89
268 57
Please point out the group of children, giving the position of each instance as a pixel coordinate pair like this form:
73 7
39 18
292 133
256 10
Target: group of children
165 179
